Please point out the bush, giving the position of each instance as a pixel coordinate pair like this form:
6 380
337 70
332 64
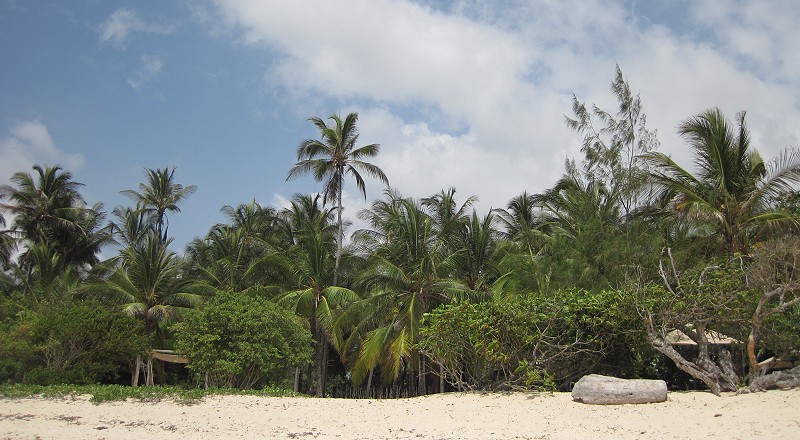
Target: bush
238 341
73 342
532 342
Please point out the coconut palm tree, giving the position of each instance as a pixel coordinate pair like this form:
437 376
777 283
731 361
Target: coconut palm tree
148 286
42 204
333 157
222 259
584 222
308 268
475 262
231 256
403 278
160 195
523 223
259 224
48 210
448 216
732 188
132 226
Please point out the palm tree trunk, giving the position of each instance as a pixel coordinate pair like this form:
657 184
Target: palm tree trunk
149 372
136 371
340 236
369 383
322 348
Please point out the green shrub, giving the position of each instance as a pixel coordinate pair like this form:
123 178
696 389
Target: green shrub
532 342
238 341
69 342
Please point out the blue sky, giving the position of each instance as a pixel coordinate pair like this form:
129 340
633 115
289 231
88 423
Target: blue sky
469 94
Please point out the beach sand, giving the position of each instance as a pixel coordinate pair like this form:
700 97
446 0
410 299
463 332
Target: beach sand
695 415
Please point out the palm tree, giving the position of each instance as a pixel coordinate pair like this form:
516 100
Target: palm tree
403 278
475 262
159 195
49 210
132 226
259 224
733 188
42 205
222 259
7 244
230 257
447 215
308 276
149 287
330 159
523 223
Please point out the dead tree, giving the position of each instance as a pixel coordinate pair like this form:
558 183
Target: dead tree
775 274
694 303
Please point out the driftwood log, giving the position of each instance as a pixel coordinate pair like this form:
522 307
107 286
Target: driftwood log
604 390
785 379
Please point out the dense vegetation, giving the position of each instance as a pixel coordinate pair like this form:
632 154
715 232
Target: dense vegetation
595 274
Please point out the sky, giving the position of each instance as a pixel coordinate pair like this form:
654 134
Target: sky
468 94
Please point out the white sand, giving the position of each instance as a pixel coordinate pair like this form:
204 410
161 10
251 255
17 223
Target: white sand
695 415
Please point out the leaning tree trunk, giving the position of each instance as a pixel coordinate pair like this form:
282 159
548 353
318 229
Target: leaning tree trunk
717 376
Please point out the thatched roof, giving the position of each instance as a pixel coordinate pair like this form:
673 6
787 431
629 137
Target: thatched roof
168 356
677 337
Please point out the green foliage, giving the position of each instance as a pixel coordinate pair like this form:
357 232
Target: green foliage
77 342
238 341
530 342
159 195
733 190
713 294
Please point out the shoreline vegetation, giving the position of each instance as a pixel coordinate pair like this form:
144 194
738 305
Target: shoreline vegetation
629 266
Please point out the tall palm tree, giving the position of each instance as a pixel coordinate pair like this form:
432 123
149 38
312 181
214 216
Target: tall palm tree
333 157
403 278
159 195
733 188
308 271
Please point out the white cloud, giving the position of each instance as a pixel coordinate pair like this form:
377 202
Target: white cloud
151 66
29 143
119 26
490 85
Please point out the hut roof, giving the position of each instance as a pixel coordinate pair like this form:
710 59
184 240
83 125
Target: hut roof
677 337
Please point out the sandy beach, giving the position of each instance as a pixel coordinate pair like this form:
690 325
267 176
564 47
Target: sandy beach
696 415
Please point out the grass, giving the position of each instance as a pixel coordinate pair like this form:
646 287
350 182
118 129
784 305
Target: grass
106 393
